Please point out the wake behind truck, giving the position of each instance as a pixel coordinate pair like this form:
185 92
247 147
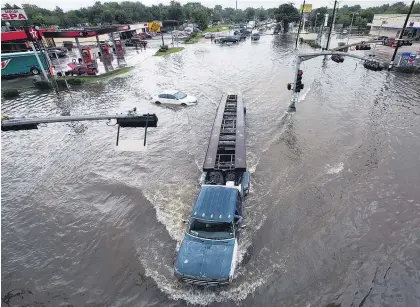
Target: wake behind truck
208 253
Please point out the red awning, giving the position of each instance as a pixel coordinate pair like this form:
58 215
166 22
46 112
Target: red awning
18 35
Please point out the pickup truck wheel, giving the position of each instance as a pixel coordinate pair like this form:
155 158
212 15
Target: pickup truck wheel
35 71
183 104
157 102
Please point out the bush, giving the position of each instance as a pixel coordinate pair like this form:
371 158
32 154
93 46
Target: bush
61 82
42 85
75 81
164 48
10 93
193 35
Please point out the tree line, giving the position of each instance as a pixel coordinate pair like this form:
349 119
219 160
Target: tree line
287 12
127 12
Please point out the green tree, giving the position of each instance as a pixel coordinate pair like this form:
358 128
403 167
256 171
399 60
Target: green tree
175 11
120 16
285 14
249 13
200 18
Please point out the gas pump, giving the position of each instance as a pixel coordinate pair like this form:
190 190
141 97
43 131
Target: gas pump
86 55
104 49
119 48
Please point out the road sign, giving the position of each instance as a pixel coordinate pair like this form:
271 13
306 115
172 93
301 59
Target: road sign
13 14
154 26
307 8
407 59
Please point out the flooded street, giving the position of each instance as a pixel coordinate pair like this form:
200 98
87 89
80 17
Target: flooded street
333 215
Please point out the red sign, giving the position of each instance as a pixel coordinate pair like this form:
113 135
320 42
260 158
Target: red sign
4 63
13 14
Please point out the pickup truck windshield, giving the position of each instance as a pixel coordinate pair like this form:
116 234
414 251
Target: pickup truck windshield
211 230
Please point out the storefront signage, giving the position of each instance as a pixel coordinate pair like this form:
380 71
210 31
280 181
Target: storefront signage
13 14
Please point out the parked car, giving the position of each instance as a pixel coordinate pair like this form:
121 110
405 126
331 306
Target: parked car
392 42
174 97
208 35
80 69
227 39
64 49
54 53
255 37
146 35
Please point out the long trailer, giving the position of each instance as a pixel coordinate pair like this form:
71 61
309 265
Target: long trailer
209 251
226 155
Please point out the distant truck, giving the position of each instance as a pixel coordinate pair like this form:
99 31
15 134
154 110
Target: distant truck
22 63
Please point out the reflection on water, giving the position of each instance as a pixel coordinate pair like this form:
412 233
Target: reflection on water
333 214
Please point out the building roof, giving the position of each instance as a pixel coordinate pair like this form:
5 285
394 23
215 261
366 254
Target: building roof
216 203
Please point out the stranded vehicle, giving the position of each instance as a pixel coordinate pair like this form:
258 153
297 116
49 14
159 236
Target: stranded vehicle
208 253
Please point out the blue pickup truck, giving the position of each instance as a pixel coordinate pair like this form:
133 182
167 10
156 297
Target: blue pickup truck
208 254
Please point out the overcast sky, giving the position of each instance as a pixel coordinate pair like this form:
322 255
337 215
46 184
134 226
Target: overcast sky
242 4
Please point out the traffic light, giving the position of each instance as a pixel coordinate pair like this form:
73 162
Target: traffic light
299 85
363 47
337 58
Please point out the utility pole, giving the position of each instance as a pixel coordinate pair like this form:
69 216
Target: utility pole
316 18
351 26
332 25
400 37
300 24
334 16
379 32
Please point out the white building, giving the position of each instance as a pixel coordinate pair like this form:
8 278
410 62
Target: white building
391 25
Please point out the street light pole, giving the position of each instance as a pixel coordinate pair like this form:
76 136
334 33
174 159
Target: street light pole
300 23
379 32
316 20
351 26
332 26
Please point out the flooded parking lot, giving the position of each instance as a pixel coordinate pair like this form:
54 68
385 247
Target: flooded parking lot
333 215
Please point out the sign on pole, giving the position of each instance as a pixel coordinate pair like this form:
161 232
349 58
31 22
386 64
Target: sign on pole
32 34
407 59
13 14
154 26
307 8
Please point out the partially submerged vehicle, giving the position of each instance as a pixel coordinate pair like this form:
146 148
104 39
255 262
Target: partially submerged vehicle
255 37
208 253
227 39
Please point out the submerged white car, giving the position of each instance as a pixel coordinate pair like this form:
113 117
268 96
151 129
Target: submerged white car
175 98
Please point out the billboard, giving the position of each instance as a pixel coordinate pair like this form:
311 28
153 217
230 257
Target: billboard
407 59
307 8
13 14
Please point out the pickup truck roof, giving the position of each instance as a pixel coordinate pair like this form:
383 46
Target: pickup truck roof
216 203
